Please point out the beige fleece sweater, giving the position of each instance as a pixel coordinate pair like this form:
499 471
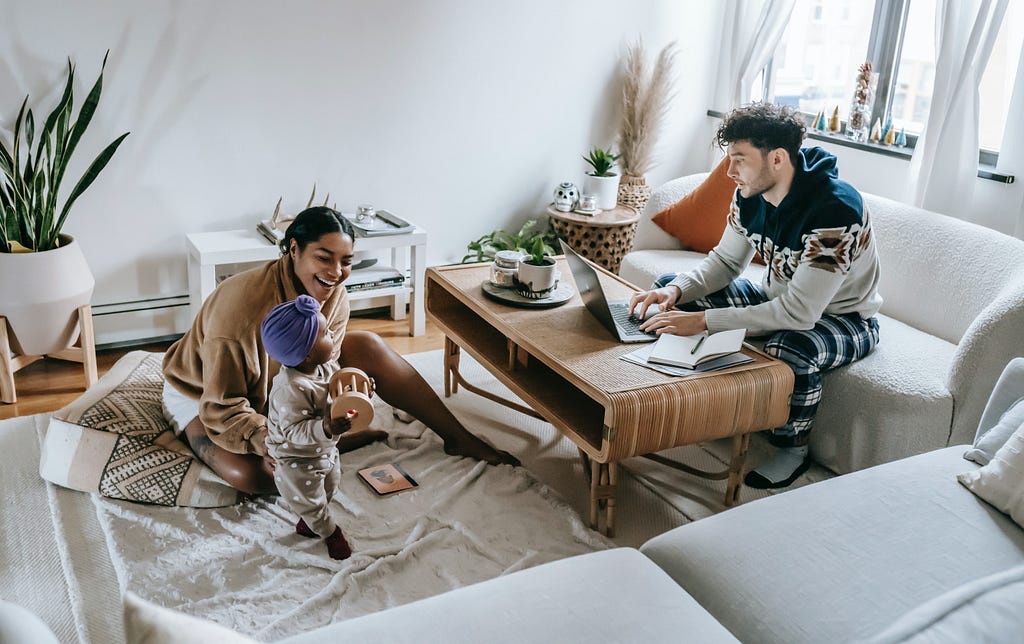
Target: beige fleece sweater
221 362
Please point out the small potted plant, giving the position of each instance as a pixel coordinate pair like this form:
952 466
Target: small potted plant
537 275
602 181
485 248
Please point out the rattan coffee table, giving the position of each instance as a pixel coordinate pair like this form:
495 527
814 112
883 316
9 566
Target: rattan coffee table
564 364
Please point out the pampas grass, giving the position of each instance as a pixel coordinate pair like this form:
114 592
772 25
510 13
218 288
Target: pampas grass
644 106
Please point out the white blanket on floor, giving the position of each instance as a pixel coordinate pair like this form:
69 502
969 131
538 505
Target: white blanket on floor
244 567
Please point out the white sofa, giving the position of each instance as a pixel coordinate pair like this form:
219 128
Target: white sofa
953 317
900 552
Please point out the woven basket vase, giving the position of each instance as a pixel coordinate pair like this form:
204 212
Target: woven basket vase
634 192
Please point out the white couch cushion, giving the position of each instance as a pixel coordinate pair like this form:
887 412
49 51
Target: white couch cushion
900 385
844 558
609 596
928 258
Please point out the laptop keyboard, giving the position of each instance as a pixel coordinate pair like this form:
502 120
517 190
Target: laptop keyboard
628 323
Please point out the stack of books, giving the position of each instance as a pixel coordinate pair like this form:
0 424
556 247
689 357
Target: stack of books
375 277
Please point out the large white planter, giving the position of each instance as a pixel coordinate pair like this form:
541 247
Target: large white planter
606 189
40 294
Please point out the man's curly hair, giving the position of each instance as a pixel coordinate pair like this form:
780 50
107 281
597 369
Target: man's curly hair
767 126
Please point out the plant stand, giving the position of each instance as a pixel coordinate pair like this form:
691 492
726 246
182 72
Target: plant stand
83 351
604 238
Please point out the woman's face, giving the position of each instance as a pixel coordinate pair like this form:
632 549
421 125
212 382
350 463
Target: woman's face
323 264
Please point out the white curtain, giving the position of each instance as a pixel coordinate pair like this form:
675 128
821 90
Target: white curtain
944 168
752 31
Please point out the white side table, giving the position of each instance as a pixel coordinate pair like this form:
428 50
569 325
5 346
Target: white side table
207 251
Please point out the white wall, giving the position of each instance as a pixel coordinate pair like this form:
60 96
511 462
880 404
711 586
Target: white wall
461 115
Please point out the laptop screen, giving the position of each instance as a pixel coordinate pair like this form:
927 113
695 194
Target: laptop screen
589 286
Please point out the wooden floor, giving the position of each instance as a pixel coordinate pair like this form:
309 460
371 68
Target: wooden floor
50 384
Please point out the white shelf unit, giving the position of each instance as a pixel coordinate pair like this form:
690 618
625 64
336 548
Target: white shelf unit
208 251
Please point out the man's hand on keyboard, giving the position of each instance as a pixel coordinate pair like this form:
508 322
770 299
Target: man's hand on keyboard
676 323
645 303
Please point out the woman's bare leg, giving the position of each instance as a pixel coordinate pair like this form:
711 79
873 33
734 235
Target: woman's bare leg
400 385
247 473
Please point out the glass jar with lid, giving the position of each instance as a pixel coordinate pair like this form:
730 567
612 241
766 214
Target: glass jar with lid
505 267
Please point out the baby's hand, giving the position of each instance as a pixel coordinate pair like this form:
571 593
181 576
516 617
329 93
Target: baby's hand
337 426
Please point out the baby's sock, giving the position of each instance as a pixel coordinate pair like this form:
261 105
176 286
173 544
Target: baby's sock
303 529
337 547
780 470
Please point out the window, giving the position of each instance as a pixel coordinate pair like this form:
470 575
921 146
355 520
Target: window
824 48
818 43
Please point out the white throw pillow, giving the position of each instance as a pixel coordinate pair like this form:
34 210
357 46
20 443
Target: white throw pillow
19 624
147 623
986 445
1001 482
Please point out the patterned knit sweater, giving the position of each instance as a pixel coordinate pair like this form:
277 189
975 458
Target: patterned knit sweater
819 249
221 361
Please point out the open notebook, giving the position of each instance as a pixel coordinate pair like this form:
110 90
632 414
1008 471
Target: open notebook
692 350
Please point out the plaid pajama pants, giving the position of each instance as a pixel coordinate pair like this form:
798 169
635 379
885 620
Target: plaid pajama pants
835 340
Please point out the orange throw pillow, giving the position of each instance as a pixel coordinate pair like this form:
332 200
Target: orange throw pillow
698 219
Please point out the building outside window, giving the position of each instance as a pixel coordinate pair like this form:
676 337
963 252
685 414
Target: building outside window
816 63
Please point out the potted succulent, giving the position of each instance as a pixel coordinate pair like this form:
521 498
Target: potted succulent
45 274
601 180
537 275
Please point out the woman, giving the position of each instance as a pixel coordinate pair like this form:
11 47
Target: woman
218 374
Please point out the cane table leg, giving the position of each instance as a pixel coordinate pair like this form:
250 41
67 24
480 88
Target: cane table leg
740 445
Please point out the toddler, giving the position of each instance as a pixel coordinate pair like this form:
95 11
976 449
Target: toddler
301 436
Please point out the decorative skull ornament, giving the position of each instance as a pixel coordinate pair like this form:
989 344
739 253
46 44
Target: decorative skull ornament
566 196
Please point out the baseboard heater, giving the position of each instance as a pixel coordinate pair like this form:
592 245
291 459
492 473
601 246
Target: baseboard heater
134 306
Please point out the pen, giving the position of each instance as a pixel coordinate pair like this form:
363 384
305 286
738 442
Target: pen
699 342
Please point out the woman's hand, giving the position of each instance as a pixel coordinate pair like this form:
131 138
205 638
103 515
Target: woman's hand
662 298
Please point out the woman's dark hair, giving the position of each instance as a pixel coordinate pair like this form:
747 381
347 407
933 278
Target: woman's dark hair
767 126
312 223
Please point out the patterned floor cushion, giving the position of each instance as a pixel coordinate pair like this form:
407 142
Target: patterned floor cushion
115 441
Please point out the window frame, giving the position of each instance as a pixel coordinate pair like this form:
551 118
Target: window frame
885 46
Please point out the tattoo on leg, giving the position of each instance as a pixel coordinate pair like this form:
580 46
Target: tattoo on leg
205 449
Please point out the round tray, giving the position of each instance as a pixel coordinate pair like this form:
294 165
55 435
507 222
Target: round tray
562 294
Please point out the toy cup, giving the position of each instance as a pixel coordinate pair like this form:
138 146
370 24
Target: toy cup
350 390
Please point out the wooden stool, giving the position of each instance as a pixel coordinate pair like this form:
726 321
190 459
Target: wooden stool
83 351
350 390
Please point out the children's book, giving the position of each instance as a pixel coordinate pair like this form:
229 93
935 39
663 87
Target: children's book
692 350
387 479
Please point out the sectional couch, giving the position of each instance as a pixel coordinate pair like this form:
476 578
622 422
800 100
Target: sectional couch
953 317
899 552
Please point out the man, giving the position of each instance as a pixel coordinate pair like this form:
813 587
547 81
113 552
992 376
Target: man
818 296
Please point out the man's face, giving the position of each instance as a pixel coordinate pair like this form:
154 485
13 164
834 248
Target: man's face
750 169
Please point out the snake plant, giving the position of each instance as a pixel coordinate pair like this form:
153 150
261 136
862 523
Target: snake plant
30 182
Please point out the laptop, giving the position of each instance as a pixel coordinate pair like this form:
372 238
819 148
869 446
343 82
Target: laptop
613 315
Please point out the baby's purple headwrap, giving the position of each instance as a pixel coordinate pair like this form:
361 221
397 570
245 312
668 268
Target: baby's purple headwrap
290 329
